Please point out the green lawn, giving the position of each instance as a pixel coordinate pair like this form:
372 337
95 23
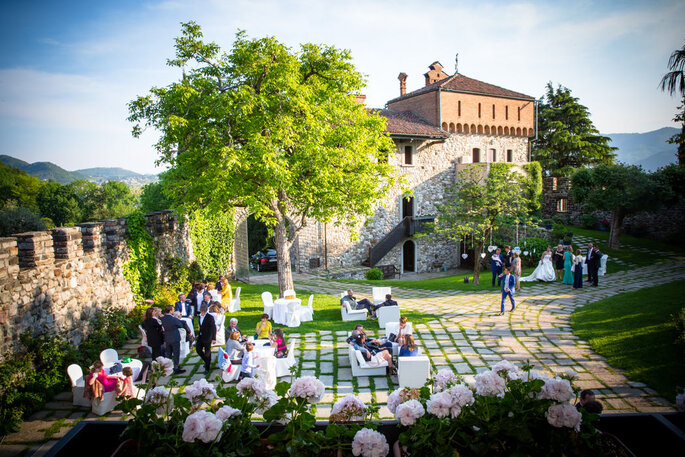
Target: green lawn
326 312
634 332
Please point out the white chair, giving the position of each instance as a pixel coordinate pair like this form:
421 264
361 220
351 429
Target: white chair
412 372
78 385
143 336
108 357
379 294
292 314
283 365
224 363
215 295
107 404
349 314
268 301
360 366
185 345
393 327
307 312
220 320
289 293
387 314
602 265
235 302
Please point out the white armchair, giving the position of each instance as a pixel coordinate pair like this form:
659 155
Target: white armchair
78 385
387 314
360 367
349 314
235 302
379 294
283 365
307 312
268 301
108 357
289 293
412 372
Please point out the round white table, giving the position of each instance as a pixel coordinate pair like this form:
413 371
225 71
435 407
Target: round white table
281 308
135 365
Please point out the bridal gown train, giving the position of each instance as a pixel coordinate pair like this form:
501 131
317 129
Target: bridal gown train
544 271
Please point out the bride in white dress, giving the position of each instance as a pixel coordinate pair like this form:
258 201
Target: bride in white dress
544 271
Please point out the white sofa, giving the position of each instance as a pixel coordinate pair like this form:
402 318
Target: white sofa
349 314
413 371
361 368
379 293
387 314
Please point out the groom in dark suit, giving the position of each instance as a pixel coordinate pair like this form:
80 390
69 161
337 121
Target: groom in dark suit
593 265
508 287
205 337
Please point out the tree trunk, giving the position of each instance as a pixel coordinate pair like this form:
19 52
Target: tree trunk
285 275
615 229
476 262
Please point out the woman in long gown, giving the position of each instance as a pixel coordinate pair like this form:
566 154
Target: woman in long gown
544 271
578 270
568 266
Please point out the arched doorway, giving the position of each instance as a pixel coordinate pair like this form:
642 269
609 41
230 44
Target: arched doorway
408 256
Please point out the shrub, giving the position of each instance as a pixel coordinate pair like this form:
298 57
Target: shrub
535 247
559 232
19 220
195 272
374 274
176 273
589 221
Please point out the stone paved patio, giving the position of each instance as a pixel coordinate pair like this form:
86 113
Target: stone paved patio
468 338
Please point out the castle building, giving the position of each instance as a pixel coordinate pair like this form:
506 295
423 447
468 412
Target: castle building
451 122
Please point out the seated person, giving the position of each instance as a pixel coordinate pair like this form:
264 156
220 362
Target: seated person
359 330
400 337
125 386
264 329
278 342
217 313
388 302
233 327
354 304
353 336
409 348
234 349
361 345
97 373
593 406
248 366
585 396
183 306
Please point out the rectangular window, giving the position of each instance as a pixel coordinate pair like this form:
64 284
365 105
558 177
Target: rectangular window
562 205
479 110
506 113
493 110
408 155
510 155
476 155
459 108
519 113
493 155
554 183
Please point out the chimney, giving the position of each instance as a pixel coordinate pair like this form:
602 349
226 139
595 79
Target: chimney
435 74
403 83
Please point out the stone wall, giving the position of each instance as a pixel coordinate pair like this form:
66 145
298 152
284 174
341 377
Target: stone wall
56 280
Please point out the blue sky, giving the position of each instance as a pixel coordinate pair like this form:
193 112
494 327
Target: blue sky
68 68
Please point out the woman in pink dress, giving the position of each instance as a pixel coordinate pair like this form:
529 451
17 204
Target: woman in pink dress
97 372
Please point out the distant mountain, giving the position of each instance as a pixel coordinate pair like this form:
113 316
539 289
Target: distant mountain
49 171
648 149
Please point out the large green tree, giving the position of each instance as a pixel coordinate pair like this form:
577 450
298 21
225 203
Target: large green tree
59 203
483 199
674 82
268 128
18 188
621 189
567 139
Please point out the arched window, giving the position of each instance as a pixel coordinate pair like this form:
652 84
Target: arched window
459 108
493 155
500 130
473 128
493 130
525 131
452 130
476 155
459 129
444 126
518 131
466 128
562 205
506 130
487 130
480 129
479 110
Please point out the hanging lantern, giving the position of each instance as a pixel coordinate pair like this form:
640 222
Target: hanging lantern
464 256
482 255
525 252
490 249
517 249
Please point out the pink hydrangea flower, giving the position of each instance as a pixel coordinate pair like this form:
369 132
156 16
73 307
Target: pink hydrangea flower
200 391
201 425
490 384
307 387
226 412
564 415
351 407
409 411
444 379
369 443
557 389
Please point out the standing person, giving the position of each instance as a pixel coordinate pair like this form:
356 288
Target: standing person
588 262
516 269
206 336
183 306
226 294
508 288
496 267
578 270
219 286
596 260
558 259
248 366
507 257
153 332
172 337
568 266
195 296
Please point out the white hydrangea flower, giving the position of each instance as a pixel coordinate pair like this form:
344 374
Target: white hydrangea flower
490 384
226 412
444 379
409 411
257 394
507 367
200 391
557 389
564 415
307 387
369 443
463 396
201 425
351 407
158 397
441 404
162 365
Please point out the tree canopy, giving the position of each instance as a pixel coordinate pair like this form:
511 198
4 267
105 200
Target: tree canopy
481 201
567 139
271 129
674 82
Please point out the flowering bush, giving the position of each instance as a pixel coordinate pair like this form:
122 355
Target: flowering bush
507 411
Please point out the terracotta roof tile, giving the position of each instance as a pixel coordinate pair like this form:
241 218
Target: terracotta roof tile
408 123
461 83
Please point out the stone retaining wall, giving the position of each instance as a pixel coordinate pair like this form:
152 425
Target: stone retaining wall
56 280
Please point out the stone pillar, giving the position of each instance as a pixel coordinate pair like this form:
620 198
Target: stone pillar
115 232
91 236
68 242
9 262
35 249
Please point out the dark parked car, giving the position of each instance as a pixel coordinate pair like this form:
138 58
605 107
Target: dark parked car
264 260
